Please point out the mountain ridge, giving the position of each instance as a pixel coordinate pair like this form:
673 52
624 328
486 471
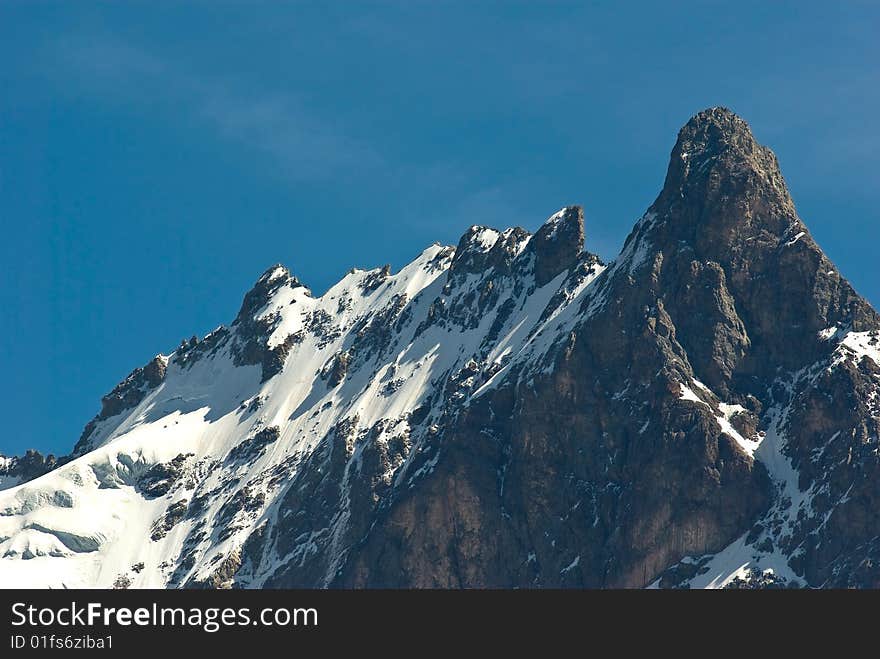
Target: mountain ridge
701 411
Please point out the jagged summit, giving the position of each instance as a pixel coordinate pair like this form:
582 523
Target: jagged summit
712 130
553 249
726 214
718 168
511 412
723 239
270 281
558 243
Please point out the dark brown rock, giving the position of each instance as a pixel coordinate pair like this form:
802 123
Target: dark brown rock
557 244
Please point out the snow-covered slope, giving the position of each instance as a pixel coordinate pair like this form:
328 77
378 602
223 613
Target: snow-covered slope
210 445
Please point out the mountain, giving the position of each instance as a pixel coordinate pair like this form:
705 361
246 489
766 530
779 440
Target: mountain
704 411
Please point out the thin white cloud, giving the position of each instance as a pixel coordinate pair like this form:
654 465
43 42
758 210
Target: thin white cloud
302 143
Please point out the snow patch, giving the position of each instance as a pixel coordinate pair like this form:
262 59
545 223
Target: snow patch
797 237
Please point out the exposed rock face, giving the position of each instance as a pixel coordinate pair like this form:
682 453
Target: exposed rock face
558 243
703 411
252 331
164 524
160 478
19 469
126 395
726 219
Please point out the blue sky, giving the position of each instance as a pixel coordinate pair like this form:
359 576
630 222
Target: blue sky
155 158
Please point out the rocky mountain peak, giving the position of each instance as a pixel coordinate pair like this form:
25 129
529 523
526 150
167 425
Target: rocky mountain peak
714 130
725 222
20 469
555 247
721 181
269 282
483 248
558 243
473 246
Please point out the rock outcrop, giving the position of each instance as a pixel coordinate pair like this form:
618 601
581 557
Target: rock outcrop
20 469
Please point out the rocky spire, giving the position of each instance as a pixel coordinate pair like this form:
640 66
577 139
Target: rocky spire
722 186
558 243
725 221
269 282
473 248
